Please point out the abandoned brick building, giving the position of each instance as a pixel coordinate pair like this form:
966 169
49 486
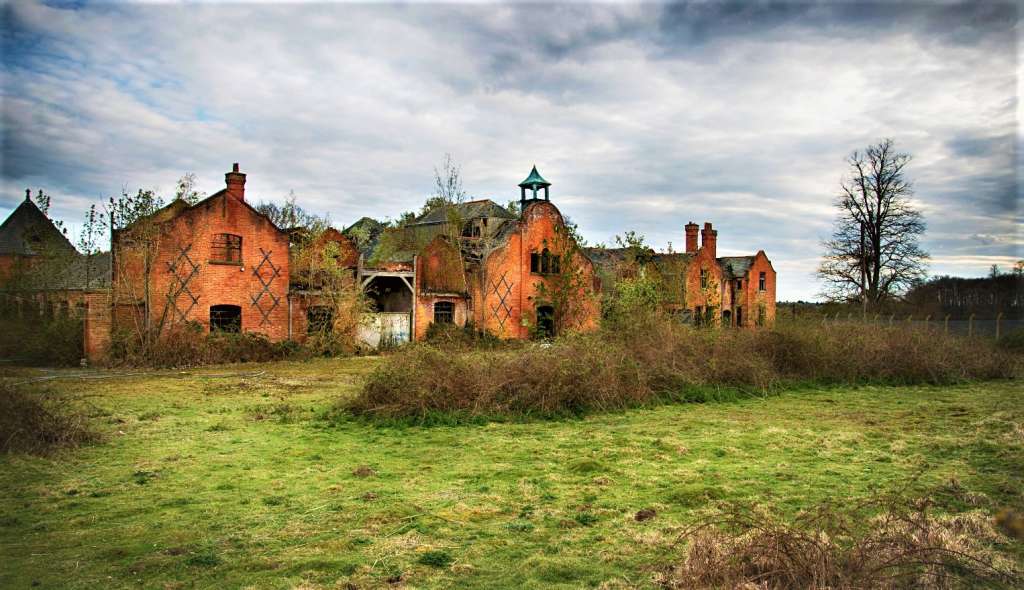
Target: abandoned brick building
41 272
697 284
223 265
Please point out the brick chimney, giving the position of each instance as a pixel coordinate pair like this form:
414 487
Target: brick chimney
691 237
236 183
709 238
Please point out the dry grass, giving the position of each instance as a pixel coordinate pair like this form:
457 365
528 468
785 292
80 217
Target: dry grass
657 360
881 545
33 423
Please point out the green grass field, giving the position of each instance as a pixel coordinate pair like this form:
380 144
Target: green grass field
221 479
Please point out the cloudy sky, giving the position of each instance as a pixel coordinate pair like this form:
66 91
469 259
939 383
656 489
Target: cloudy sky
642 116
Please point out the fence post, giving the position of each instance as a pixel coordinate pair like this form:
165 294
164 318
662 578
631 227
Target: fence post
909 317
999 321
891 317
946 322
876 318
970 325
927 319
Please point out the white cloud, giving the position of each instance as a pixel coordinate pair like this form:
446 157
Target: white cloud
641 120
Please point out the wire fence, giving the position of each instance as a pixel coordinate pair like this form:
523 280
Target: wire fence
989 327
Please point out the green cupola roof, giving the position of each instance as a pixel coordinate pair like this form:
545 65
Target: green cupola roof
534 179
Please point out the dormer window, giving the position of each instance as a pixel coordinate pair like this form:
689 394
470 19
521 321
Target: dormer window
226 249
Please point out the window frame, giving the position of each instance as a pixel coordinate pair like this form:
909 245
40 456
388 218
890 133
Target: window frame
218 326
439 313
222 246
762 282
703 278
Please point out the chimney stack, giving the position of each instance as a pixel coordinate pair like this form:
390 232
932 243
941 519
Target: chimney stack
691 237
709 238
236 183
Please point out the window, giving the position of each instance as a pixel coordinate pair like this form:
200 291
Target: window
703 278
545 263
444 312
739 316
761 281
739 283
319 320
225 318
226 248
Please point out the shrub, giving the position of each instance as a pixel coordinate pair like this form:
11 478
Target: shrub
658 360
890 543
190 345
37 340
34 422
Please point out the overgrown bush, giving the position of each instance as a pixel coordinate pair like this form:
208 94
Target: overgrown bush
659 359
883 544
34 422
37 340
190 345
1014 341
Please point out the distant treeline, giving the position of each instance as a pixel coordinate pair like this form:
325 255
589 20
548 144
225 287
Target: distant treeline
960 297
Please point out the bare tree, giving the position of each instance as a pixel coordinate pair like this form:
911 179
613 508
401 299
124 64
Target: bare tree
873 254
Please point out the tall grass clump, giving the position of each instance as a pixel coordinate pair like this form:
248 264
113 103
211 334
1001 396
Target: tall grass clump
882 544
34 422
655 359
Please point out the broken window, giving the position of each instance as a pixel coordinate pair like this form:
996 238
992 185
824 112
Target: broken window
545 263
444 312
761 282
703 278
545 321
226 248
225 318
319 320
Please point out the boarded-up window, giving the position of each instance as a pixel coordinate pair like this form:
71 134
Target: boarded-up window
226 248
225 318
444 312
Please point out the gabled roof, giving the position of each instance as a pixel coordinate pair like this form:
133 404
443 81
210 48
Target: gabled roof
27 231
736 266
468 210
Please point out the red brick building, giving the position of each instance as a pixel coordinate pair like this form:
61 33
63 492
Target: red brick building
222 265
478 263
219 263
699 285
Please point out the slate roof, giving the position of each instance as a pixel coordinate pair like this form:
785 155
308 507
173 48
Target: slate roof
468 210
373 230
26 226
736 266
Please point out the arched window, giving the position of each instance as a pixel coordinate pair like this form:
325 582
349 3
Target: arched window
225 318
226 249
444 312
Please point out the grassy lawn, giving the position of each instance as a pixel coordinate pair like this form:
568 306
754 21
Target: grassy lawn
221 478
